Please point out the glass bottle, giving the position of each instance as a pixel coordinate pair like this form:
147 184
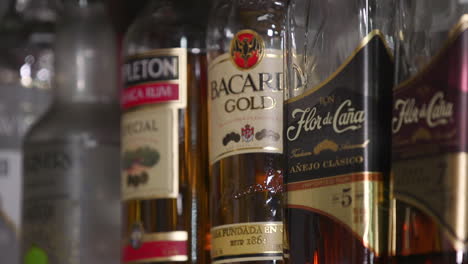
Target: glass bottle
164 144
71 200
429 210
339 68
27 32
245 77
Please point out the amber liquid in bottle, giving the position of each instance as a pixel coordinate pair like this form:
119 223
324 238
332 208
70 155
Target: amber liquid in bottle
248 188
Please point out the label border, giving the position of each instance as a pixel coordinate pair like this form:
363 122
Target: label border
362 45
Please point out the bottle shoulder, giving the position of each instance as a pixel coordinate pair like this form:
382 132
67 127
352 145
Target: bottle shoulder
262 15
77 124
227 18
163 28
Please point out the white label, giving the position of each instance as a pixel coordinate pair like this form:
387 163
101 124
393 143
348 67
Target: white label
245 106
10 188
150 153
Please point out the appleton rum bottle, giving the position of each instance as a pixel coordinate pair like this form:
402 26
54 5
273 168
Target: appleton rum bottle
245 85
71 205
430 133
337 131
164 144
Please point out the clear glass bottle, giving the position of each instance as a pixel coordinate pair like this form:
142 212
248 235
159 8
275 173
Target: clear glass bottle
339 68
164 144
26 70
429 210
245 77
71 200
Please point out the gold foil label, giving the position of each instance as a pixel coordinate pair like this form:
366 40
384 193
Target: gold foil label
438 186
245 104
255 241
351 199
150 158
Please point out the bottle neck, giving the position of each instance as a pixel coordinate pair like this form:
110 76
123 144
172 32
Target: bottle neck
14 6
86 56
34 9
82 3
193 12
41 10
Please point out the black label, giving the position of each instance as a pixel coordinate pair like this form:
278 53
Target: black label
338 159
343 127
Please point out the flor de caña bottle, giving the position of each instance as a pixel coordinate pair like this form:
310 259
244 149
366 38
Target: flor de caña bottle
430 133
26 70
337 131
245 86
71 199
164 144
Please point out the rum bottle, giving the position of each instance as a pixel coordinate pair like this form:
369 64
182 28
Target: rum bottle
337 131
245 102
430 137
164 143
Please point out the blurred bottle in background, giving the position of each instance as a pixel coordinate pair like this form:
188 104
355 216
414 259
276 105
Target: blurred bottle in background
430 133
164 143
27 33
71 208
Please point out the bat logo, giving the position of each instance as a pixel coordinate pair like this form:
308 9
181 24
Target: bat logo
247 49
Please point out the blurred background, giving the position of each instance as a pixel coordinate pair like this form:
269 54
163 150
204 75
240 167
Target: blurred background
122 12
27 33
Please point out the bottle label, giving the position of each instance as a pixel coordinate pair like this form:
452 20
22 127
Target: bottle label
159 76
10 200
245 99
150 135
157 247
430 146
71 204
150 160
257 241
338 151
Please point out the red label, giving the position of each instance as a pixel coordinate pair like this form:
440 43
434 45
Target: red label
150 93
156 250
156 76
